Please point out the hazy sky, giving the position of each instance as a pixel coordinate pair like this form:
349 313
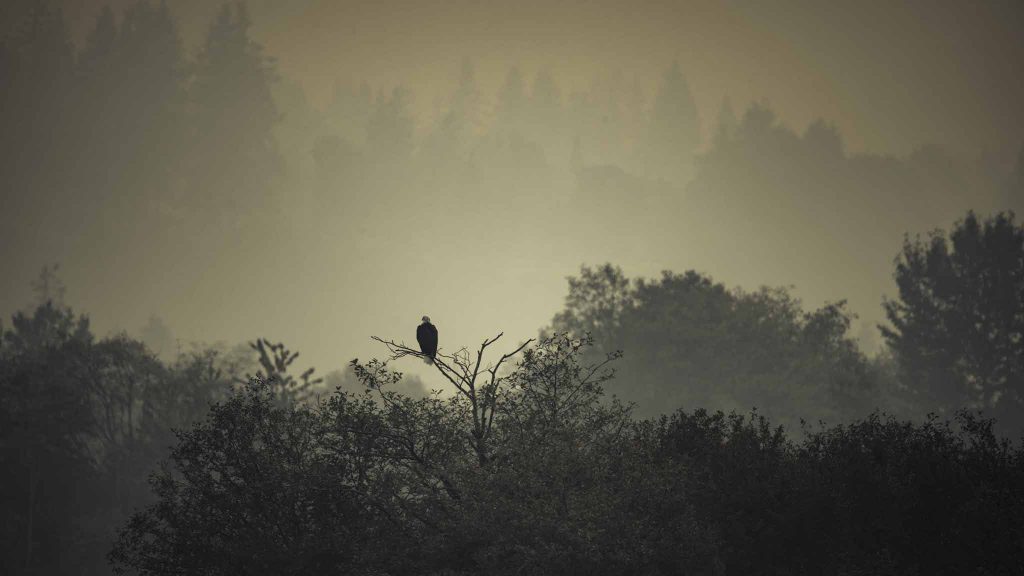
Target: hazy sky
891 76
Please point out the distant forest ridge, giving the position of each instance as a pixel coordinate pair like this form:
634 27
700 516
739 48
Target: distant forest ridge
133 148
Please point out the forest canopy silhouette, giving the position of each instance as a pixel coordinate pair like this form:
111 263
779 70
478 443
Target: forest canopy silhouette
782 353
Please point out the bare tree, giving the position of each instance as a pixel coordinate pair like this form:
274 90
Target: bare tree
482 385
275 360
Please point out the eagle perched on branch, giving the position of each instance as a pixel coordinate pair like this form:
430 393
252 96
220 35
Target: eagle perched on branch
426 335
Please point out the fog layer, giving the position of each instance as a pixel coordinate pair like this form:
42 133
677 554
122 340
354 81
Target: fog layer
317 172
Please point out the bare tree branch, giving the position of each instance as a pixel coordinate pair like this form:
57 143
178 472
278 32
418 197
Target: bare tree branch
464 375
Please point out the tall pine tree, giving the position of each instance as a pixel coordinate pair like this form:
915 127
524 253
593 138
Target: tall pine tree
673 132
234 160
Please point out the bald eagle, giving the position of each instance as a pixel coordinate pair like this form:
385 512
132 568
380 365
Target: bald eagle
426 335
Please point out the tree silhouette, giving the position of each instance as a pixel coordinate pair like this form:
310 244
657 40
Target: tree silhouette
957 323
511 112
274 361
389 131
673 131
83 421
725 126
444 158
130 123
690 341
234 158
481 385
377 482
38 61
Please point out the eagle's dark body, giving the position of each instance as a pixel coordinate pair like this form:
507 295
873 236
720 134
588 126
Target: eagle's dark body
426 335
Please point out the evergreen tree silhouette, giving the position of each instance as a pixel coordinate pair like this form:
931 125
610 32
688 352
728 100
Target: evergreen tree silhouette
673 132
234 159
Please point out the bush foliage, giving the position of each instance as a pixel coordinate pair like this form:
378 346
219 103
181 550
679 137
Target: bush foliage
381 483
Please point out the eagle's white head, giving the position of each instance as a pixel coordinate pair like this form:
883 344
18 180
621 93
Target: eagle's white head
426 319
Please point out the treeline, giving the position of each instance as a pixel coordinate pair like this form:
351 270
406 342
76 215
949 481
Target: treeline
130 133
690 342
158 157
552 480
82 424
129 146
84 421
792 207
131 122
953 337
536 468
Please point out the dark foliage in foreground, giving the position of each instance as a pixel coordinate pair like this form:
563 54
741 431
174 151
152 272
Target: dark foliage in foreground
383 484
878 496
83 422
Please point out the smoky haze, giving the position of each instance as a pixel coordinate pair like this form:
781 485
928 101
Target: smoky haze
372 163
718 287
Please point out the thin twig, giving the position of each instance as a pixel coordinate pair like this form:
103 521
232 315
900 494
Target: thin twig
458 370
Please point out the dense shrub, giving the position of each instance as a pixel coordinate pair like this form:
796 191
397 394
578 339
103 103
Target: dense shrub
380 483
